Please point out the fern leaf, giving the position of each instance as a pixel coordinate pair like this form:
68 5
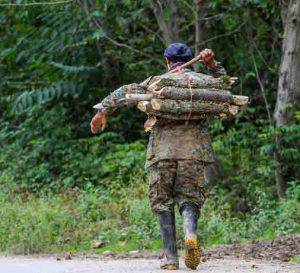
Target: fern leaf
72 69
40 96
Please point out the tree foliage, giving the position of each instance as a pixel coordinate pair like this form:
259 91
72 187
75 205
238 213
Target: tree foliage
56 61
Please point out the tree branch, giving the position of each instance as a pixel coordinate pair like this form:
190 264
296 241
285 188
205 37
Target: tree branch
199 25
237 30
262 88
95 20
158 13
35 3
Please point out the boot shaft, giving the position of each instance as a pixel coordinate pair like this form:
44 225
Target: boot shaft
167 227
190 215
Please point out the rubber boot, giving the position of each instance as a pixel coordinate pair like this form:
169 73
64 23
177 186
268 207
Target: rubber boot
167 227
190 215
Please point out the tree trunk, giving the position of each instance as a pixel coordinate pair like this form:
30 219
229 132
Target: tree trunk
169 28
199 24
288 93
289 76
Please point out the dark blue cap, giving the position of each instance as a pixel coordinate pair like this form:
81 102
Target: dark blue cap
178 52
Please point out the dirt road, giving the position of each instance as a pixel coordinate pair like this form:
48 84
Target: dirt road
257 256
76 265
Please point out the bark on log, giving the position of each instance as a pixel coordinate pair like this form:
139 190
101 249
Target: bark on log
206 95
135 88
139 97
145 106
202 82
185 107
181 117
195 94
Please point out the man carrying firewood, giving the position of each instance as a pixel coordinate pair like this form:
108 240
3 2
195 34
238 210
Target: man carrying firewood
177 154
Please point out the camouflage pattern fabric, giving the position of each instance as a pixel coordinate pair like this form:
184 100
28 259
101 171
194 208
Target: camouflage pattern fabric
217 71
114 100
179 140
176 181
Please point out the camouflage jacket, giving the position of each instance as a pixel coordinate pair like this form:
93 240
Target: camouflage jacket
172 139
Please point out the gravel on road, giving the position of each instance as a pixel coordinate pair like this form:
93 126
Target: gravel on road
20 264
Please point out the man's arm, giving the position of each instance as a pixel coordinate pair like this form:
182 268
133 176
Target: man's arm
107 106
113 101
210 65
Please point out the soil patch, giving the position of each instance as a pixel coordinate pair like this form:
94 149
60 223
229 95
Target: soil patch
283 249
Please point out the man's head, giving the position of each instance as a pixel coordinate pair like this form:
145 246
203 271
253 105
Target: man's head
177 52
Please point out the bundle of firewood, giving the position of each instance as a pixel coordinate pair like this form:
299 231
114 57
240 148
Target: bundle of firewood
192 98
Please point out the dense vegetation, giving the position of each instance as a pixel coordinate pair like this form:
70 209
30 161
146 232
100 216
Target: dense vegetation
61 188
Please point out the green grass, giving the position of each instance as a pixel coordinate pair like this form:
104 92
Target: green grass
295 259
72 220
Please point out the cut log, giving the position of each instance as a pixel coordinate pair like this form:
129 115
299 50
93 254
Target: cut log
180 117
185 107
150 122
201 81
139 97
240 100
196 94
135 88
185 94
233 110
145 106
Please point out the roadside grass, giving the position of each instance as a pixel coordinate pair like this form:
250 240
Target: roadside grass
74 219
295 259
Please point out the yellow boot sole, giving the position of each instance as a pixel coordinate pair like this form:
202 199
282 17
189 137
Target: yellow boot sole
171 267
192 253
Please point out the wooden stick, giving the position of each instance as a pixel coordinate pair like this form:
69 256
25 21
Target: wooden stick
192 61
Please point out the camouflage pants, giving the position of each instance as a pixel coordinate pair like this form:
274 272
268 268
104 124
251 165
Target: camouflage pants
176 181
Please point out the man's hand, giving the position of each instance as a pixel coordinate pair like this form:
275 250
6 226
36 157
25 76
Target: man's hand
98 121
207 57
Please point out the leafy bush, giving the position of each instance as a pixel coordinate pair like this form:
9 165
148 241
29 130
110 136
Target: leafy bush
73 219
221 224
